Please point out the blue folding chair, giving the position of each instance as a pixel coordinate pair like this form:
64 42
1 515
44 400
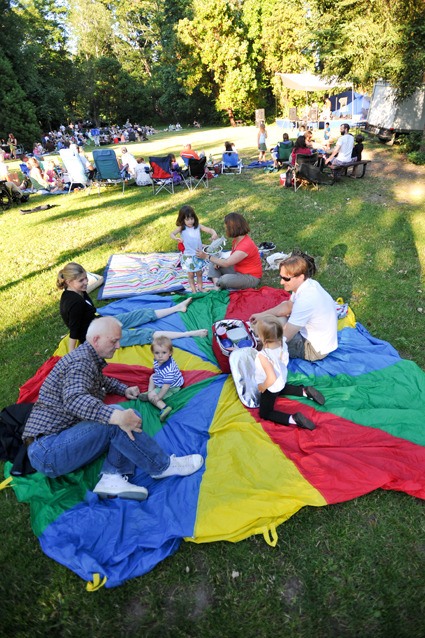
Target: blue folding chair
107 169
24 169
231 163
74 169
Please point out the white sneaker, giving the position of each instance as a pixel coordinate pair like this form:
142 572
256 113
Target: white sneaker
181 466
113 485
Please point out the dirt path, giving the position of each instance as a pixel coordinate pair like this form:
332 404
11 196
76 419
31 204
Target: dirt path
387 162
407 179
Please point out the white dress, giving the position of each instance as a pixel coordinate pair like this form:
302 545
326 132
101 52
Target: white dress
142 177
191 238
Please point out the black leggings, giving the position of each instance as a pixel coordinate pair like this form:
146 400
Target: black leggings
267 401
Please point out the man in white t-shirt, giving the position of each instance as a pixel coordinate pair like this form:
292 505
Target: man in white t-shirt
342 152
128 161
309 316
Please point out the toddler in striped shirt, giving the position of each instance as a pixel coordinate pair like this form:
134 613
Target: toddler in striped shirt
166 379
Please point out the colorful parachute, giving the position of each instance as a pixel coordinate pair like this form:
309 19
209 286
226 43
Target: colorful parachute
370 434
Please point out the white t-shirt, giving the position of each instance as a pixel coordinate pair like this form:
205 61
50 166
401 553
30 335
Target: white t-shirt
315 312
128 158
279 359
192 240
4 171
345 143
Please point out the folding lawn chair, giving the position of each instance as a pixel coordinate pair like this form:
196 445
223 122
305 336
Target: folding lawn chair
231 163
162 174
283 154
74 169
24 169
307 169
5 196
107 169
197 172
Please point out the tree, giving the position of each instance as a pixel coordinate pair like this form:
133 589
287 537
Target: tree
215 56
365 41
18 115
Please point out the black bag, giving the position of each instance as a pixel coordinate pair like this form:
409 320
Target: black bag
288 178
12 423
313 174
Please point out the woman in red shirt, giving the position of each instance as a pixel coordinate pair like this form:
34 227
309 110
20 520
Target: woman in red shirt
242 269
300 148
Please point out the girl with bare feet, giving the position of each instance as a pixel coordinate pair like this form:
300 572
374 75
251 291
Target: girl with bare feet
78 311
188 232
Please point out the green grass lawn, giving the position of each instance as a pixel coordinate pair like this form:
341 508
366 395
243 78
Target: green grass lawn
355 569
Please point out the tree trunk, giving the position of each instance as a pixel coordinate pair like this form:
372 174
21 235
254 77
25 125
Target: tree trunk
422 146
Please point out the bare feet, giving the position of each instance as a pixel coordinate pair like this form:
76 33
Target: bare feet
198 333
182 306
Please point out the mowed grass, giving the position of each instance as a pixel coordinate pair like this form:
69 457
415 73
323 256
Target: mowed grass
355 569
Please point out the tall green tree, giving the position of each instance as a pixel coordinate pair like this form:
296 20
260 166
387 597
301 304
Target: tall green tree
216 56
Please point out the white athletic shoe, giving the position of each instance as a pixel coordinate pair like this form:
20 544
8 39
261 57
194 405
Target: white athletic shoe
113 485
181 466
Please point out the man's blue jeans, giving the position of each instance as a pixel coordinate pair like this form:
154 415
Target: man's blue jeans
58 454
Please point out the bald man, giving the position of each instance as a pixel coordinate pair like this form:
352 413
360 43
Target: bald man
189 153
70 426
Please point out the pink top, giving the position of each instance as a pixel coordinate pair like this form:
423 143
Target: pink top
299 151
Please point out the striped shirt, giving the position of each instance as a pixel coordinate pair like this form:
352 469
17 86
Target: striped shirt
73 391
167 374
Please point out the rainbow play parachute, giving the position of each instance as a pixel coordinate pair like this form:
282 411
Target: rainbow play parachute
370 434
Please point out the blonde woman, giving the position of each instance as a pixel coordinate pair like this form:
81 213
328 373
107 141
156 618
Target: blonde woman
78 311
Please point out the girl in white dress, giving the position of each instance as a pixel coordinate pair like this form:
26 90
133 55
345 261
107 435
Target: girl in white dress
189 231
141 173
271 374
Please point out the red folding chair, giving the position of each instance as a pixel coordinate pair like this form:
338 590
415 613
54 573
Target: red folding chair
161 174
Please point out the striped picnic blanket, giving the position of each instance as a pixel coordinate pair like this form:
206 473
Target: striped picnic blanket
131 274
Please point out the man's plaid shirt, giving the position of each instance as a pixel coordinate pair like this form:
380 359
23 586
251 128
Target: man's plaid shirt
73 391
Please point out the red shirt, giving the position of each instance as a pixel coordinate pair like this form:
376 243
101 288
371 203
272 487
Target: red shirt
299 151
251 265
190 154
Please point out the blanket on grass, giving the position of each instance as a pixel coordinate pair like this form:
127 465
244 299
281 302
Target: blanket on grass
370 434
132 274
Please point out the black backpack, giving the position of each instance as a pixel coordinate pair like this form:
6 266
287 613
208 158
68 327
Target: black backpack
288 178
12 423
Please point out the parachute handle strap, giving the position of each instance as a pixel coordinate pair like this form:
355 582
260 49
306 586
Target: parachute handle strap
96 584
270 535
6 483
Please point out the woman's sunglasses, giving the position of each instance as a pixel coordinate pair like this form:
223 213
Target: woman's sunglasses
286 278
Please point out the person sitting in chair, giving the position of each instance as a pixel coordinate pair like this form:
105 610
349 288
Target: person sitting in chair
286 143
189 153
12 189
300 148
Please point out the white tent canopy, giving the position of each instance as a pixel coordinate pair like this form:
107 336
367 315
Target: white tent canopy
309 82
